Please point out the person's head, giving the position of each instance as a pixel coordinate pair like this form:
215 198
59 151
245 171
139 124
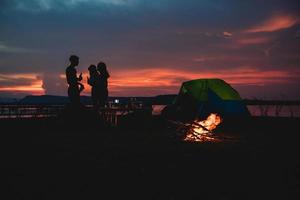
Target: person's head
101 67
74 60
92 69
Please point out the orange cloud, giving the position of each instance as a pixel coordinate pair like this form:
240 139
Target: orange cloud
227 34
275 23
24 83
152 81
254 40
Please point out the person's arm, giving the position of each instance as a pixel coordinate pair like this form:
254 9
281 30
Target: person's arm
80 77
81 87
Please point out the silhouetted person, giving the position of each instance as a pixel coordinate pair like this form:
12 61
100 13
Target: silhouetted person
94 82
103 84
75 87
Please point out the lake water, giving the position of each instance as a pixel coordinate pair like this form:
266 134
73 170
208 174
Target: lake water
255 110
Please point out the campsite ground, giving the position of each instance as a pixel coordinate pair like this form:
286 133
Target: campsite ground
142 159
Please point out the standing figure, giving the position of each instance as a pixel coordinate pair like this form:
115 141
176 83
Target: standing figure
103 84
75 87
94 82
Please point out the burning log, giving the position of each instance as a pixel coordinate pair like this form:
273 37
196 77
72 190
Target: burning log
200 131
194 124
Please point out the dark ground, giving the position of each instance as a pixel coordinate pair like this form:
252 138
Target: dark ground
42 159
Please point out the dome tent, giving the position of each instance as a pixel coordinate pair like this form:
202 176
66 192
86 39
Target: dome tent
198 98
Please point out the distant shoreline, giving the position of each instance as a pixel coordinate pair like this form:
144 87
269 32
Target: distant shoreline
153 100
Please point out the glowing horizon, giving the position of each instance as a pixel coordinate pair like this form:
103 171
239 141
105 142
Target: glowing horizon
156 81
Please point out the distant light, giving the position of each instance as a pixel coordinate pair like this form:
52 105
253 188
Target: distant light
117 101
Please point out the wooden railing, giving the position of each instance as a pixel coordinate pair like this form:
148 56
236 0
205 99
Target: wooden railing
17 111
29 111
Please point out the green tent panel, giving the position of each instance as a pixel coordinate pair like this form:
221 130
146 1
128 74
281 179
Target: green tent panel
205 96
198 89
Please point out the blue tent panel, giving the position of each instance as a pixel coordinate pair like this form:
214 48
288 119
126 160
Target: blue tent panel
223 107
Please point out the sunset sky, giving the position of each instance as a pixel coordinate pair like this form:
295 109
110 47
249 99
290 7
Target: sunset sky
151 47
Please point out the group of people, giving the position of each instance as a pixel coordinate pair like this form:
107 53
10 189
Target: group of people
98 80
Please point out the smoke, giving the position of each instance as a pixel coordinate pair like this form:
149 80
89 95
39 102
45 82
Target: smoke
54 84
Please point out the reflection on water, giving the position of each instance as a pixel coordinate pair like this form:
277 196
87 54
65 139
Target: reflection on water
156 109
270 110
52 111
256 110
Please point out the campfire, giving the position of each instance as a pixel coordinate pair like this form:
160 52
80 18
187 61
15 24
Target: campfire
201 131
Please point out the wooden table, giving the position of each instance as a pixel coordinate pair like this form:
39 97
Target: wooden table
111 114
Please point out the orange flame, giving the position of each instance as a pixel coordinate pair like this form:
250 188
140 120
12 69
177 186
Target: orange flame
200 131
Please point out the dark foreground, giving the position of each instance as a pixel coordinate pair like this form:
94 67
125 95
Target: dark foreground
46 160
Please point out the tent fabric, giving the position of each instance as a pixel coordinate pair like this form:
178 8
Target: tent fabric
199 88
204 96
